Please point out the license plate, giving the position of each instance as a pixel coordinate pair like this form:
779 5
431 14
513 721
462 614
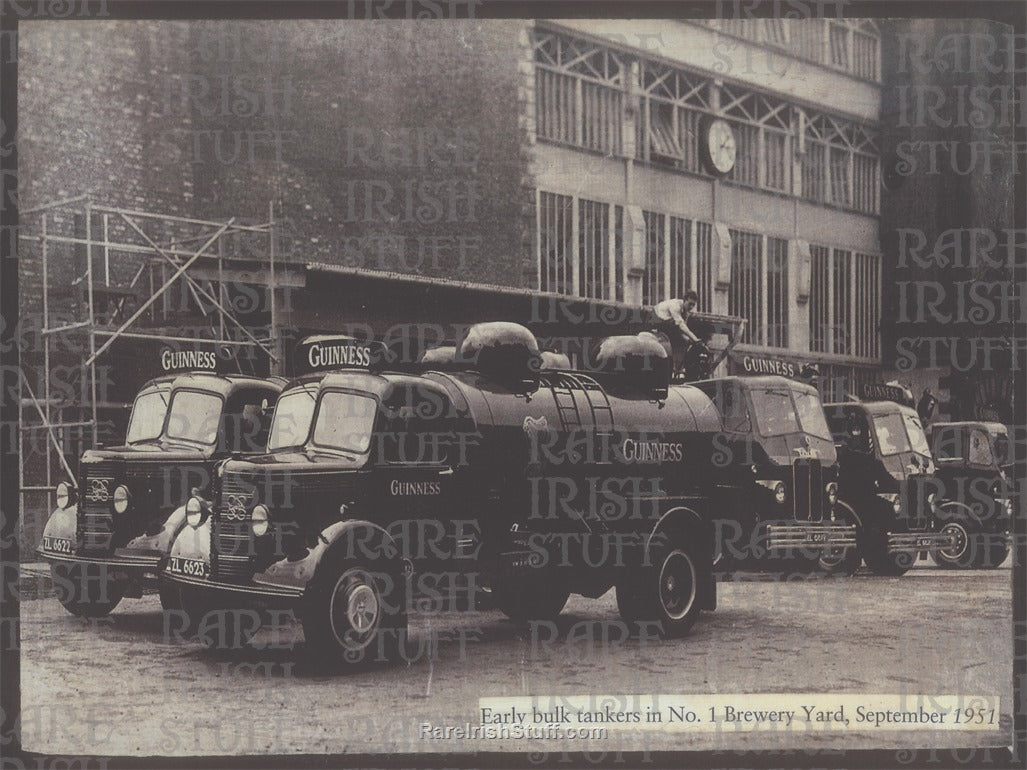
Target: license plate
816 537
924 542
189 567
58 545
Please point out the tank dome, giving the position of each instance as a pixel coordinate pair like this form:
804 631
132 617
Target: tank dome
504 351
638 360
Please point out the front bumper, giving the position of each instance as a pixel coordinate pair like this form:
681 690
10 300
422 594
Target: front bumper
826 537
911 542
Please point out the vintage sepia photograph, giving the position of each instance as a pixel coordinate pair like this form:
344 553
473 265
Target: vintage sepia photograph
463 382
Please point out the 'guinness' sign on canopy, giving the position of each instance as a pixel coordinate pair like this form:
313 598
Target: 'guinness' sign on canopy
877 391
325 353
200 357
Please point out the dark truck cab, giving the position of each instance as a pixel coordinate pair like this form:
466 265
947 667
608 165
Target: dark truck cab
776 471
887 479
487 477
114 524
975 503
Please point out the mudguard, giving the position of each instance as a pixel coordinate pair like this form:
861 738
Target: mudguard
160 544
357 539
192 543
61 526
687 518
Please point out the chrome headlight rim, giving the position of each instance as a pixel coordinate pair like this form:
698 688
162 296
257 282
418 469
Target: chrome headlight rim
776 488
121 498
260 520
65 494
194 513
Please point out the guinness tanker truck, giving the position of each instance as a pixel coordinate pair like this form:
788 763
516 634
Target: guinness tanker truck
114 524
483 472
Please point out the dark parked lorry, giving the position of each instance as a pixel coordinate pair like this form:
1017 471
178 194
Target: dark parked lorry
886 479
775 472
114 524
974 466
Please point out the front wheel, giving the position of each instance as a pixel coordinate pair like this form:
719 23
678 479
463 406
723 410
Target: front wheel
86 591
354 616
960 555
665 592
874 546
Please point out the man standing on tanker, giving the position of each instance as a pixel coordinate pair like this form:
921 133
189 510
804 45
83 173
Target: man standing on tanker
670 319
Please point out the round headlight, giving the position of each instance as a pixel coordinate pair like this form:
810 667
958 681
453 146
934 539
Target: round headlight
832 492
930 498
779 492
194 512
258 519
63 495
121 499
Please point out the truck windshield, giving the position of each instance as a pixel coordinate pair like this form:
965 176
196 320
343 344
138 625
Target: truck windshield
775 412
811 415
148 413
195 416
345 421
891 436
917 439
291 424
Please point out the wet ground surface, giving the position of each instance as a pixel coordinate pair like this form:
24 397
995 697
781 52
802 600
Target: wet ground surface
127 684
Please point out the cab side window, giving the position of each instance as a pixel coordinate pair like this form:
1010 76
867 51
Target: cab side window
857 432
416 428
980 448
246 422
946 444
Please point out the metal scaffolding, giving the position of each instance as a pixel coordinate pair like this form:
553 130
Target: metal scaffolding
132 259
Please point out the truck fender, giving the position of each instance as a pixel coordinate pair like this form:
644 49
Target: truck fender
681 519
953 509
355 540
161 542
192 543
63 523
850 512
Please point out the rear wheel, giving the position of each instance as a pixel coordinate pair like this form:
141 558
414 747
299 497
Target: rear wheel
874 546
665 591
86 590
354 616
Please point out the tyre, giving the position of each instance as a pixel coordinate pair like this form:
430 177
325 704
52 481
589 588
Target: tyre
214 625
991 551
86 591
529 601
842 561
170 597
874 547
354 616
665 591
964 550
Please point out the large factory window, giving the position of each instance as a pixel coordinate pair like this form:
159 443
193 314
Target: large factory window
555 258
840 162
746 296
848 45
844 303
580 247
673 104
655 258
579 93
777 293
593 249
762 127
